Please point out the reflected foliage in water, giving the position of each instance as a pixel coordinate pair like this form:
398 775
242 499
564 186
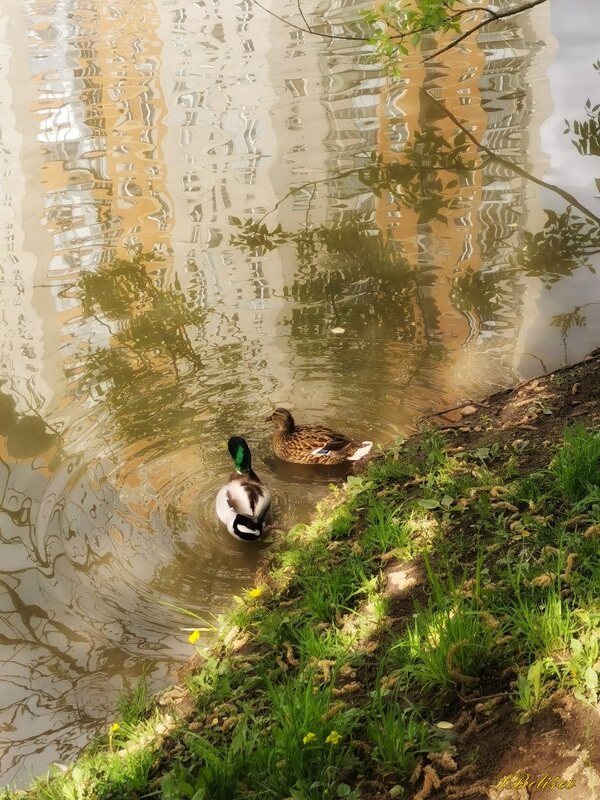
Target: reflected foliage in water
27 435
587 131
350 274
483 297
568 320
416 181
138 373
353 264
566 242
349 266
154 319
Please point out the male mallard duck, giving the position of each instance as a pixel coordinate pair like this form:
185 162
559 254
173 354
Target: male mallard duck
244 502
313 444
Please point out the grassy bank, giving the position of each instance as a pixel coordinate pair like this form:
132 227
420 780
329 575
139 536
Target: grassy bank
426 635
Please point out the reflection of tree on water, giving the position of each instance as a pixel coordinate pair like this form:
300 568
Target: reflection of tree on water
587 131
426 178
565 243
569 320
364 282
353 273
482 297
155 318
44 655
138 373
27 435
587 142
149 376
488 154
415 181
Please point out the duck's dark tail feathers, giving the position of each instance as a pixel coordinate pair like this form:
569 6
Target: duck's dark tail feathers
246 528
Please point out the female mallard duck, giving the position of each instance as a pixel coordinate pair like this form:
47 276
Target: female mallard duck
244 502
313 444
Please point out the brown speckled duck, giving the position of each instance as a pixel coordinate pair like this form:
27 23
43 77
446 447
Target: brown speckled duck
313 444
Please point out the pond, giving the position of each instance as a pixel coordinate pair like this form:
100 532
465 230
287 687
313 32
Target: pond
206 214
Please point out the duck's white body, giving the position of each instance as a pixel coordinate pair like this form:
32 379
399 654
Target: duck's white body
243 508
244 503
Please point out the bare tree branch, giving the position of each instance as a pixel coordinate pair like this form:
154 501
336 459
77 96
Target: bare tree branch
308 29
471 9
495 15
301 12
303 186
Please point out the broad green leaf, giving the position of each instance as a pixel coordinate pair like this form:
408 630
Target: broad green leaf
591 678
428 503
576 647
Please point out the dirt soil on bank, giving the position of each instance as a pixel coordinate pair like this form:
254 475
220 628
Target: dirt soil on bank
556 756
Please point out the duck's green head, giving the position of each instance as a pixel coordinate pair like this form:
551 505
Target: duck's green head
240 452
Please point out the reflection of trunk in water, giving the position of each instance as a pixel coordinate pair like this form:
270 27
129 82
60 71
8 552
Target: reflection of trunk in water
41 673
59 634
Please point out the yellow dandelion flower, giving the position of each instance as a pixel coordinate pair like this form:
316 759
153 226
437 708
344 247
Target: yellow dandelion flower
194 636
256 592
333 738
309 738
114 727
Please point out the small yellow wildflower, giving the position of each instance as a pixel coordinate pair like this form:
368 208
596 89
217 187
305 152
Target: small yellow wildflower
333 738
309 738
194 636
256 592
111 731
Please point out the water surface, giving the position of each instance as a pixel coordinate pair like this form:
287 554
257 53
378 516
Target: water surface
206 214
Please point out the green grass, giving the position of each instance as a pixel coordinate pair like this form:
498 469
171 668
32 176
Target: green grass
399 733
214 771
576 465
135 704
449 643
543 624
